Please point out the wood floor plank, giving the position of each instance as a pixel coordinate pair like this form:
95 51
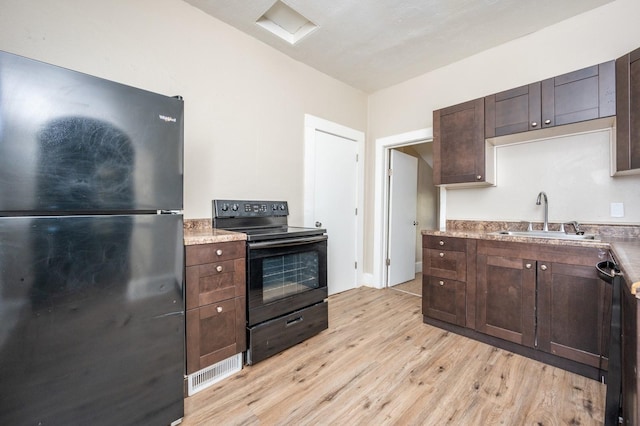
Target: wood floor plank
378 364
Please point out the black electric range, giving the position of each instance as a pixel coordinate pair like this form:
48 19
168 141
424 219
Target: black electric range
286 273
260 220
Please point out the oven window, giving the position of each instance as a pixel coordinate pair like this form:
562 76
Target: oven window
289 274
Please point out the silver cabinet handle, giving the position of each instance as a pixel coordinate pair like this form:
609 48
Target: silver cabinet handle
441 282
219 309
479 177
219 252
547 121
534 124
441 243
441 254
219 268
543 267
528 266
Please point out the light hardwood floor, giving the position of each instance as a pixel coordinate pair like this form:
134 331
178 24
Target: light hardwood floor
412 287
378 364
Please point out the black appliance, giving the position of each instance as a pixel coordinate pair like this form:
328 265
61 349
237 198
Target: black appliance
91 250
610 273
286 275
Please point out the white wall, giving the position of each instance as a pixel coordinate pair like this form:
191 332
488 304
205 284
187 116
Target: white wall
244 101
596 36
573 171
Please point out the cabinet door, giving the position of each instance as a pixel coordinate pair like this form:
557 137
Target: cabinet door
581 95
628 112
215 332
577 96
513 111
443 299
506 298
458 143
573 312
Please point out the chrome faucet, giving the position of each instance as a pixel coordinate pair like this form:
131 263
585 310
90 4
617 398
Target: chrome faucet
543 196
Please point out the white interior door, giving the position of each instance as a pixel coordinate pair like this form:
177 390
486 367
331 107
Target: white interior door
403 190
335 206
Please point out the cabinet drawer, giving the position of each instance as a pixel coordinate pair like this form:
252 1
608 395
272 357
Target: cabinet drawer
444 299
445 264
215 332
444 243
213 282
217 252
275 335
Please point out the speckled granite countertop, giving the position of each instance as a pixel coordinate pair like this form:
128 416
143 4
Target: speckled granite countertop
622 240
199 231
627 254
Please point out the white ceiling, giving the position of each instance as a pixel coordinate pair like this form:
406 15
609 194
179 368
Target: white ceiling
373 44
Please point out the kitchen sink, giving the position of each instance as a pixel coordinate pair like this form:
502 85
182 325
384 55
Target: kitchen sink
546 234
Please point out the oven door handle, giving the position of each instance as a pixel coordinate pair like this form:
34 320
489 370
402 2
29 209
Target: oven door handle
288 242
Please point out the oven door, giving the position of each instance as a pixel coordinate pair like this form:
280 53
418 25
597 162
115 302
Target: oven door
285 275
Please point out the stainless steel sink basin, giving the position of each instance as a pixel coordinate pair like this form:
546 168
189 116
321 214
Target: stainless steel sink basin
546 234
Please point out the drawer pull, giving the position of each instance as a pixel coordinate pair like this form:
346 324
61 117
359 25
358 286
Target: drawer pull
441 254
219 309
441 243
528 266
543 267
441 282
219 268
294 321
219 252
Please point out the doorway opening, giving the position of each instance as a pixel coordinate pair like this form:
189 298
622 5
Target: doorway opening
429 211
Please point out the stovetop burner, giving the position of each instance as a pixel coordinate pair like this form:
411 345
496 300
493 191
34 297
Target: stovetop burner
260 220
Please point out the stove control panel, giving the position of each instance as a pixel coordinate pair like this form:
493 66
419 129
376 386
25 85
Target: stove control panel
247 208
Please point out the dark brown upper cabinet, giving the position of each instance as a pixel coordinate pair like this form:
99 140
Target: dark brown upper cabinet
628 113
459 152
582 95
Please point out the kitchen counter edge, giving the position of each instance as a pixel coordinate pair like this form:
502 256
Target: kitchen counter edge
211 235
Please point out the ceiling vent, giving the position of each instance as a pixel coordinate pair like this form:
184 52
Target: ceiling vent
286 23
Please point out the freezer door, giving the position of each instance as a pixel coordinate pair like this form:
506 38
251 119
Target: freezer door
91 320
73 142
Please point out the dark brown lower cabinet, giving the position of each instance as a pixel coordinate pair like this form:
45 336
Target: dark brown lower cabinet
543 301
444 280
506 298
215 303
574 310
546 297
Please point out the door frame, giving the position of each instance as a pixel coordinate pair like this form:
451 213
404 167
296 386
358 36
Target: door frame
313 124
381 197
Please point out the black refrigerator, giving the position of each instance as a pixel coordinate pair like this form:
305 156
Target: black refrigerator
91 250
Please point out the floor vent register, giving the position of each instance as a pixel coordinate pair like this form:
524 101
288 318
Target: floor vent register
213 374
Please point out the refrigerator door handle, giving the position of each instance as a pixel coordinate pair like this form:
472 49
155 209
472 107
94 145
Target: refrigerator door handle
169 211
